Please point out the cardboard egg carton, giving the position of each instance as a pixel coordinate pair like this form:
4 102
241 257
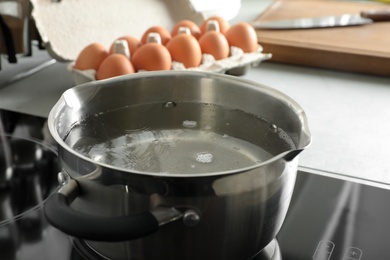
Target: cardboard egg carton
236 64
67 26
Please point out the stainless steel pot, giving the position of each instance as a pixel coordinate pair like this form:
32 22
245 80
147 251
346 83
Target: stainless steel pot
126 212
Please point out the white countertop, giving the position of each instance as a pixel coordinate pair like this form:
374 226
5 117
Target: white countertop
349 113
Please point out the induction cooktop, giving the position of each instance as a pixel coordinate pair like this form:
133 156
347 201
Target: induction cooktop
329 218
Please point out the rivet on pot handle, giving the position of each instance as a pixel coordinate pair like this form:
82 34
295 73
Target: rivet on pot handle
85 226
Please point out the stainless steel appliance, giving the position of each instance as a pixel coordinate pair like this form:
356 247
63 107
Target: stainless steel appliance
141 151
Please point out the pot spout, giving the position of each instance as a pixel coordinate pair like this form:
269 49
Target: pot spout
290 155
304 140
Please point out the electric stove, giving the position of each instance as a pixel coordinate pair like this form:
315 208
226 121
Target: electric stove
330 218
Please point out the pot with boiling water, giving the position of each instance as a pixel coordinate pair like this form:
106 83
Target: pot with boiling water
175 165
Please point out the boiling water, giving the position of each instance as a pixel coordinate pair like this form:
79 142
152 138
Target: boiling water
174 143
175 151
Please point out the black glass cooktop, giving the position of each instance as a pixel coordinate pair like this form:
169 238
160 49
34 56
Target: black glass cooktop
336 220
328 219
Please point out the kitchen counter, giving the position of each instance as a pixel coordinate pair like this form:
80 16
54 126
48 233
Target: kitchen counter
349 113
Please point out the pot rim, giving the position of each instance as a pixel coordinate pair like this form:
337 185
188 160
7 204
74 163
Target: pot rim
305 137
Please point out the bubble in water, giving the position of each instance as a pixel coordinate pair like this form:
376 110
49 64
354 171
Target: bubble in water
169 104
97 157
190 124
204 157
273 128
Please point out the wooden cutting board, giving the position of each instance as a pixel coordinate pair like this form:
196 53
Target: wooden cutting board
364 49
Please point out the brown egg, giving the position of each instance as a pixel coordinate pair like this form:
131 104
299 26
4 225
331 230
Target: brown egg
242 35
114 65
152 56
223 24
164 34
185 48
132 42
194 28
91 57
214 43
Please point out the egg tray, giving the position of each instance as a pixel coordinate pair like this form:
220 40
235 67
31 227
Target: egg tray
237 64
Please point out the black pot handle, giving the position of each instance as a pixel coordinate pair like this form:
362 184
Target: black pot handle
85 226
